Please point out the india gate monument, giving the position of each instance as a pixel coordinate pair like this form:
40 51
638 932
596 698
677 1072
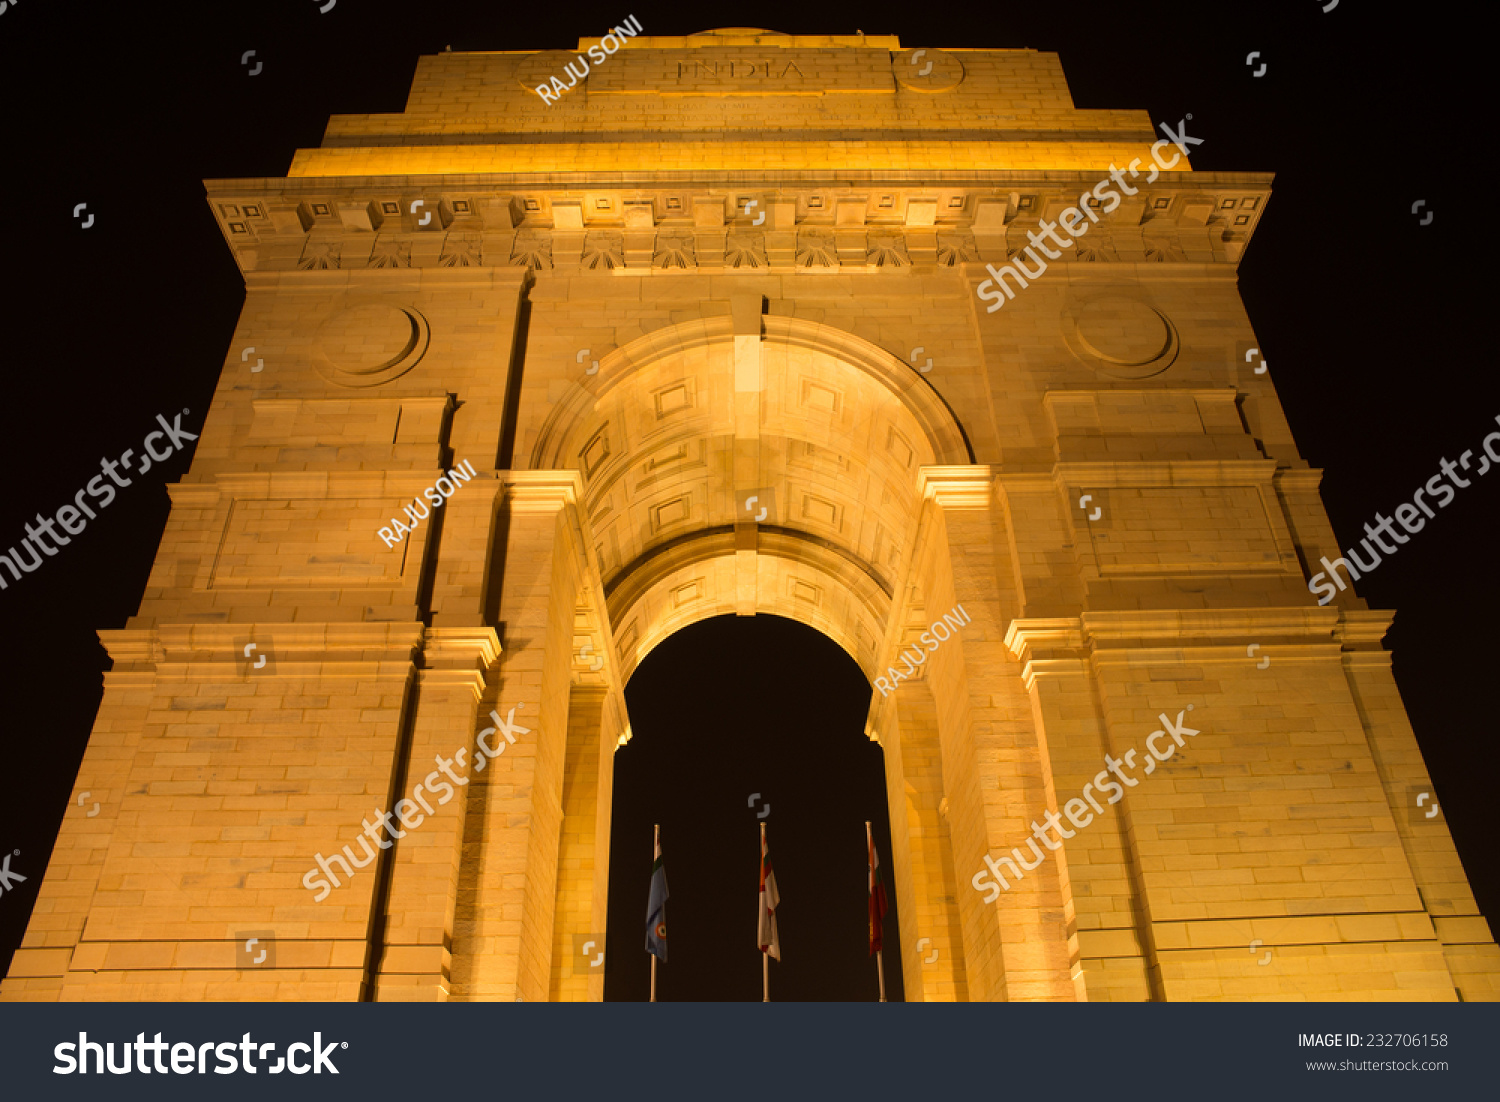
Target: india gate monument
584 347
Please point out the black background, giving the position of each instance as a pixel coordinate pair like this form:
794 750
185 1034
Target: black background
1369 321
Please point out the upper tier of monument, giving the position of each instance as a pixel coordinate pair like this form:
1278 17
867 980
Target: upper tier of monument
795 102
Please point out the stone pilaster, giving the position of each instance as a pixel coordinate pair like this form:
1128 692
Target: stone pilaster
416 958
1108 931
573 980
460 583
995 759
932 948
503 930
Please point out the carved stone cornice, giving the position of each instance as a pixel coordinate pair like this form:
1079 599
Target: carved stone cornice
300 485
1164 637
689 220
1167 472
1144 628
215 652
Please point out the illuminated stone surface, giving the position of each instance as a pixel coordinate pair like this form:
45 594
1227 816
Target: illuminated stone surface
725 264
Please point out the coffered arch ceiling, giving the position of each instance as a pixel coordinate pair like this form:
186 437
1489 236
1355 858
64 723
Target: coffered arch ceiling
668 450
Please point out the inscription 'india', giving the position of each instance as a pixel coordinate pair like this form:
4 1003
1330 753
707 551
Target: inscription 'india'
721 69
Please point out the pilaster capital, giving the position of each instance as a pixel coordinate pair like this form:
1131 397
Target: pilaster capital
542 491
1045 638
956 487
131 646
1301 479
1363 629
453 679
464 647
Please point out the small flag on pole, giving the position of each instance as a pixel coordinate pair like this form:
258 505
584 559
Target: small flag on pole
877 899
656 908
770 899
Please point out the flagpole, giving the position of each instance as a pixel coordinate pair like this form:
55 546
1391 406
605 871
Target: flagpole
765 957
879 953
655 844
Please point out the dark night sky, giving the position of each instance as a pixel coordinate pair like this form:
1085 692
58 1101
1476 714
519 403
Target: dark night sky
1369 323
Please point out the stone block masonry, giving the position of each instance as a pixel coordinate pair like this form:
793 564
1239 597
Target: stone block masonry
439 492
749 233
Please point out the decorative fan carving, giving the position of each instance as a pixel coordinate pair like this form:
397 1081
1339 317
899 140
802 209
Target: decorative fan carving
460 252
532 250
816 251
1161 250
320 254
745 252
390 252
603 250
674 252
953 251
888 252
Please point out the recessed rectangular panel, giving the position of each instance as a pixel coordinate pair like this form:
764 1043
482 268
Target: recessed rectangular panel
283 543
743 71
818 398
672 399
668 513
1185 530
799 590
820 511
595 452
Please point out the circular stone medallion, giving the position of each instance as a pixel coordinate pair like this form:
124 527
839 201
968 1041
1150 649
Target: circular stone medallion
369 343
1120 335
927 70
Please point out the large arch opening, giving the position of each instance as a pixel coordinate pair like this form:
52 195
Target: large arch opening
667 444
723 710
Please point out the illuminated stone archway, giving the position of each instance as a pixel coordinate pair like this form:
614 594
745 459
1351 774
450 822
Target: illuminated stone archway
668 437
630 312
687 423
